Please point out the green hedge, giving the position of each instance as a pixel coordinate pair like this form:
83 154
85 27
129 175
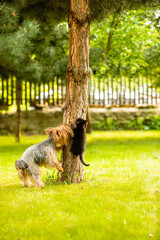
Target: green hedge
139 123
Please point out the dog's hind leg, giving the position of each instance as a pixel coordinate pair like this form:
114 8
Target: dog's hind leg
35 174
24 177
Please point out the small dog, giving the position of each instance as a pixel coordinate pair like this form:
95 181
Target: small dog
42 154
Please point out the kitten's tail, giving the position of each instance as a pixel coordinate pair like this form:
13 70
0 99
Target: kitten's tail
81 158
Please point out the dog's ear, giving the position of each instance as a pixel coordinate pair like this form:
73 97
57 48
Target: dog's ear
49 131
61 134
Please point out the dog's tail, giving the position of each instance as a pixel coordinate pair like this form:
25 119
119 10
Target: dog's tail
61 134
21 164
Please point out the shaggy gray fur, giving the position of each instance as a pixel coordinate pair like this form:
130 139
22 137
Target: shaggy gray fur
40 154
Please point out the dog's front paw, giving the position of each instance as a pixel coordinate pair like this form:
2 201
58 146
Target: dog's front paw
39 184
61 169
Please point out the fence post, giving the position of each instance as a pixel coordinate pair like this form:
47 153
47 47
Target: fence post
104 95
112 90
2 89
117 85
108 89
61 91
39 93
44 95
134 102
53 92
26 95
99 90
94 90
57 91
48 93
124 99
19 112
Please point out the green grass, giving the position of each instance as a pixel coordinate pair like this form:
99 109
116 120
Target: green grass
119 199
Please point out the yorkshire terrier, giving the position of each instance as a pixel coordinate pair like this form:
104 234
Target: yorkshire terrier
42 154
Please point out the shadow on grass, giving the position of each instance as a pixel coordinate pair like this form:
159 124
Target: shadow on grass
16 187
111 140
98 138
14 148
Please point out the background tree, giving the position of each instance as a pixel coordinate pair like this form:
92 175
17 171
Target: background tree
15 51
133 37
30 51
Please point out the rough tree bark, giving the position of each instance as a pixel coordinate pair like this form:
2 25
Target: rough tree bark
19 112
77 77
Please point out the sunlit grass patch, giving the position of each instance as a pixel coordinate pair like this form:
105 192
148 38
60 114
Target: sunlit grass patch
119 198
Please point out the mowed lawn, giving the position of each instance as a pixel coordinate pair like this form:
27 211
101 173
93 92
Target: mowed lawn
118 200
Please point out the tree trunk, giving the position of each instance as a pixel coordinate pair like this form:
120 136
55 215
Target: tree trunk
19 113
113 26
77 77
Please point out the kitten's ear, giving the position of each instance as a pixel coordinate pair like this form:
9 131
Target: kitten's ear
85 125
78 121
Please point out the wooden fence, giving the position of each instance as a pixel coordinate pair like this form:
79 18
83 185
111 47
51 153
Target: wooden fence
108 92
33 94
123 92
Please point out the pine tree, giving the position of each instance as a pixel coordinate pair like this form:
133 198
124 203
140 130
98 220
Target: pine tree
15 49
30 51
